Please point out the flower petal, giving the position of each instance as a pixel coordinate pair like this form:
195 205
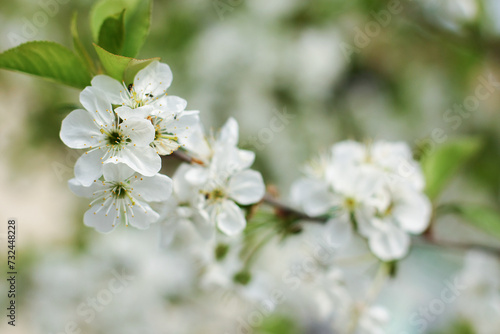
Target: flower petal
313 196
78 130
140 131
246 187
128 113
413 213
389 243
228 134
89 167
79 190
153 79
155 188
111 88
171 103
143 160
117 172
97 218
339 230
97 104
230 219
143 216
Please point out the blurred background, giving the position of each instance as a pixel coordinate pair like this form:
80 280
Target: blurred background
298 76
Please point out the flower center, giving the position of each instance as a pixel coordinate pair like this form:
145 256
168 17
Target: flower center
120 190
215 194
350 203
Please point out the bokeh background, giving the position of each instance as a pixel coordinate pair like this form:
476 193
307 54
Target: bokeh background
323 68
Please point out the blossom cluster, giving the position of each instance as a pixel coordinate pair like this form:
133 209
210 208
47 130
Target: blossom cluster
375 189
125 129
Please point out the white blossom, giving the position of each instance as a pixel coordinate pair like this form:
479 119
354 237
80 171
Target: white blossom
365 185
108 139
122 197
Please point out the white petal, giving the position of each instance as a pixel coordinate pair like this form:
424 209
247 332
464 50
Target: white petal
313 196
246 158
246 187
168 229
111 88
117 172
201 222
228 134
388 244
349 152
155 188
97 104
140 131
79 190
364 216
413 213
78 130
128 113
197 175
171 103
143 216
97 218
143 160
153 79
230 219
339 230
182 188
89 167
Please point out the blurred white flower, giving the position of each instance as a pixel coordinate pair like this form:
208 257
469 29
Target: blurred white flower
224 178
366 185
184 207
122 198
108 139
480 302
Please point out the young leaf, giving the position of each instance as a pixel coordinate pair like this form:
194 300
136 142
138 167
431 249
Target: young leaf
120 67
137 28
49 60
106 8
483 218
137 21
440 165
78 45
111 35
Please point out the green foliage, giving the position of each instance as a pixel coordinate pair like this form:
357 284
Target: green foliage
278 324
78 45
112 33
49 60
120 67
484 218
443 162
104 24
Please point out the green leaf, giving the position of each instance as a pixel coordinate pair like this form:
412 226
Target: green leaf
483 218
80 50
104 9
137 21
49 60
278 324
111 35
120 67
441 164
137 28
